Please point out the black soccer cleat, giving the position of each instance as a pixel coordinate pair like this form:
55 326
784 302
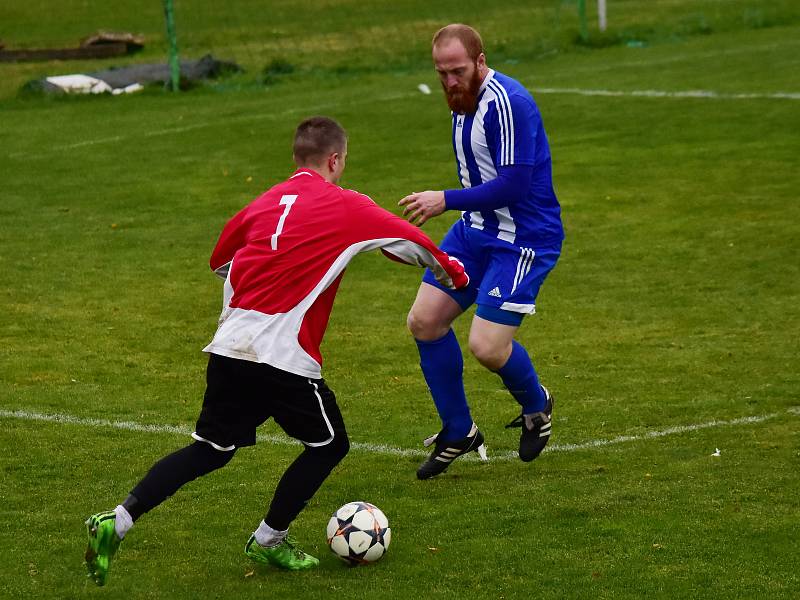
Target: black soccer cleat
446 452
535 429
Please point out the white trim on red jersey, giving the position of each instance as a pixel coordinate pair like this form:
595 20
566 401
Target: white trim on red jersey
272 339
278 296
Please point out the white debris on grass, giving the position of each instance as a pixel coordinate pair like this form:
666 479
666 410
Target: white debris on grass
84 84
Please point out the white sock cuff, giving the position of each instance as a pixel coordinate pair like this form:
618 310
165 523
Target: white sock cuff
123 521
267 536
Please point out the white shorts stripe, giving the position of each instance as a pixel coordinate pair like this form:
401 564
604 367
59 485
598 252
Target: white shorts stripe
519 268
212 444
324 416
524 263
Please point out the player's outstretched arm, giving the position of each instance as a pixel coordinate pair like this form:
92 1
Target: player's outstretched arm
402 241
511 185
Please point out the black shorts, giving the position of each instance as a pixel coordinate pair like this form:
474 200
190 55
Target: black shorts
241 395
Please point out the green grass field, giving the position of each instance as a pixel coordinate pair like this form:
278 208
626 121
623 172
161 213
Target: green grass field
668 330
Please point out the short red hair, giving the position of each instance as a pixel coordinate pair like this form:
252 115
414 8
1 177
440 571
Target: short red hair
469 38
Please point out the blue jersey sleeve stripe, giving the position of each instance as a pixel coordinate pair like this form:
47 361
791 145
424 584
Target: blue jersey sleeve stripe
510 114
503 113
509 117
503 127
510 128
503 123
502 98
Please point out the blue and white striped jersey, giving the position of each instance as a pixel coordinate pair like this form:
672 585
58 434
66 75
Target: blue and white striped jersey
507 129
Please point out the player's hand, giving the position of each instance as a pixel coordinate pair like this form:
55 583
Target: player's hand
421 206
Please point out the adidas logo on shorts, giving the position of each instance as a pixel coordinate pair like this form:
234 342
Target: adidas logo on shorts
495 292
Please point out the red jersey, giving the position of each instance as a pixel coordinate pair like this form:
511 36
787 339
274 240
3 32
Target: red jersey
283 256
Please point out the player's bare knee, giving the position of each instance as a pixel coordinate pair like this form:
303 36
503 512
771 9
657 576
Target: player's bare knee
416 324
489 355
425 326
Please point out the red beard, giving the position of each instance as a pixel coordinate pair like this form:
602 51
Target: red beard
464 99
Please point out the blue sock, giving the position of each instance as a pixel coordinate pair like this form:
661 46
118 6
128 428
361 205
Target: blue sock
521 380
443 367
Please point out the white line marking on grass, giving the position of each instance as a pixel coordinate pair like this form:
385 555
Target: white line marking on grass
660 433
108 140
126 425
644 60
183 430
382 448
216 123
695 94
701 94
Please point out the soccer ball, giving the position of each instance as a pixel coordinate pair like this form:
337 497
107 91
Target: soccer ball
359 533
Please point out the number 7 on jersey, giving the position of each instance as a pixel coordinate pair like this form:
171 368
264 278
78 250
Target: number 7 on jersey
287 201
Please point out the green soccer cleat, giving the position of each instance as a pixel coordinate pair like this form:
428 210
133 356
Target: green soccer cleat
103 544
285 555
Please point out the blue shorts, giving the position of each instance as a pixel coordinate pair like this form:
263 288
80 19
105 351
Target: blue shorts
504 278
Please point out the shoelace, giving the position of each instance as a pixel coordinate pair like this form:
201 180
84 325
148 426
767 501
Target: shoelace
517 422
428 441
537 419
291 542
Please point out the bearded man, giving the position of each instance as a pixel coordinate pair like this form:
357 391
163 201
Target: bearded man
509 238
